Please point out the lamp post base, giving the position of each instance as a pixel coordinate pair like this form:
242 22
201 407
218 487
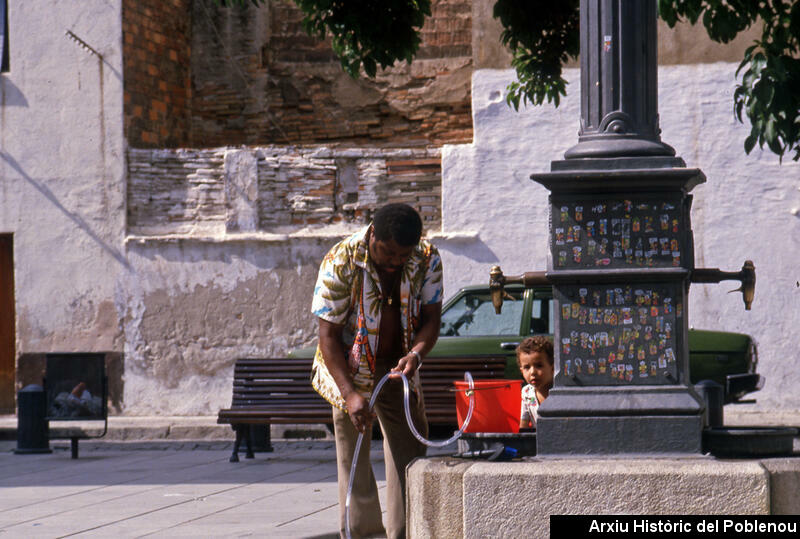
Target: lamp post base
622 436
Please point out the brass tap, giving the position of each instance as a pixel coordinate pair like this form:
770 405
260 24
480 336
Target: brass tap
497 282
747 276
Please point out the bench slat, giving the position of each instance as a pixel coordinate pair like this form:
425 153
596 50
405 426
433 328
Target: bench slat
278 390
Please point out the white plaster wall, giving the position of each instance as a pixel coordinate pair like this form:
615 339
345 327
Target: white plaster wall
62 173
195 305
492 213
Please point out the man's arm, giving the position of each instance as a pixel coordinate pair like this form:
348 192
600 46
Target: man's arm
426 337
333 351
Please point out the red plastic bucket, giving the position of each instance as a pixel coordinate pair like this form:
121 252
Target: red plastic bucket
497 405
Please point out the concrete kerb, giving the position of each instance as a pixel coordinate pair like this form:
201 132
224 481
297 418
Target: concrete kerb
153 428
207 428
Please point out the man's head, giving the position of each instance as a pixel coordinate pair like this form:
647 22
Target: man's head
396 230
398 222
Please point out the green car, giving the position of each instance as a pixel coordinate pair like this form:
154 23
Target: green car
470 327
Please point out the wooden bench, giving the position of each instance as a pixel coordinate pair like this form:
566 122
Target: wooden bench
278 391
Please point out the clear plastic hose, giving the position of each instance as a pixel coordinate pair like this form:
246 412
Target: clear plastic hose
406 400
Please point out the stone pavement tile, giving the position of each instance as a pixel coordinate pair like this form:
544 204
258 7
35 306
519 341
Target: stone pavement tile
37 503
115 468
86 497
166 490
321 516
318 514
109 467
260 506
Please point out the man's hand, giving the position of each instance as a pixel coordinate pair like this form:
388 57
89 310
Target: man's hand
407 365
358 409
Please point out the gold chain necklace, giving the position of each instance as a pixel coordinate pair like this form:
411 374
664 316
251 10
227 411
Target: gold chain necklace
390 298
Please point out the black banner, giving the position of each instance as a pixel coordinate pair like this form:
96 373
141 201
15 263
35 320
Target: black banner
650 526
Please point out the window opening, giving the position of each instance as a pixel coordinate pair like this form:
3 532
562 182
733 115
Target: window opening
541 320
4 36
7 325
474 315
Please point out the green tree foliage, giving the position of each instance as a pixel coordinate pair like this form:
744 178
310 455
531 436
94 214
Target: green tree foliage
769 93
360 30
540 46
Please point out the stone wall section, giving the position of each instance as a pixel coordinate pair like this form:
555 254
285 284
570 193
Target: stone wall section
218 191
302 189
157 86
176 191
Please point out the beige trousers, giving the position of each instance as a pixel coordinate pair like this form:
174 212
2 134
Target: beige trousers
400 447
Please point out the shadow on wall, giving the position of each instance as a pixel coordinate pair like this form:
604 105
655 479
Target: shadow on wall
283 254
77 219
10 95
471 247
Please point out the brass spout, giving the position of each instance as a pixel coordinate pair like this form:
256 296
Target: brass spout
497 282
747 276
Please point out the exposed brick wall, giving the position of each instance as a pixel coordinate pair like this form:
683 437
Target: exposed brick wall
186 191
448 31
156 59
258 78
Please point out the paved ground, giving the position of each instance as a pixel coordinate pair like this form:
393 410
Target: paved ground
170 477
169 488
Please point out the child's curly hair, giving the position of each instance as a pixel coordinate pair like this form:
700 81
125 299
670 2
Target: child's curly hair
539 343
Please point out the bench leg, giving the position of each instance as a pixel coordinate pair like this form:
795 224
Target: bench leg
268 442
74 447
248 442
238 430
260 435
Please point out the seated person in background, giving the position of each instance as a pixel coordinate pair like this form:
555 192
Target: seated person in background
78 403
535 361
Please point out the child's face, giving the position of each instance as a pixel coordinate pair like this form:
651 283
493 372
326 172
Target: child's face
536 369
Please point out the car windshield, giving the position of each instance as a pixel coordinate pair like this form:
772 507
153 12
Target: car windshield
473 315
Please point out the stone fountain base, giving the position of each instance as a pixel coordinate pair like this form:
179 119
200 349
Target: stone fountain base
452 497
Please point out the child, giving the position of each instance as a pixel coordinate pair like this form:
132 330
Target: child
535 361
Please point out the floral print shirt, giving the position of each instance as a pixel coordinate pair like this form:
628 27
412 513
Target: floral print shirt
530 406
348 292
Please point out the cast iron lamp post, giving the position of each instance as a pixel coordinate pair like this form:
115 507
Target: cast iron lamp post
621 258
